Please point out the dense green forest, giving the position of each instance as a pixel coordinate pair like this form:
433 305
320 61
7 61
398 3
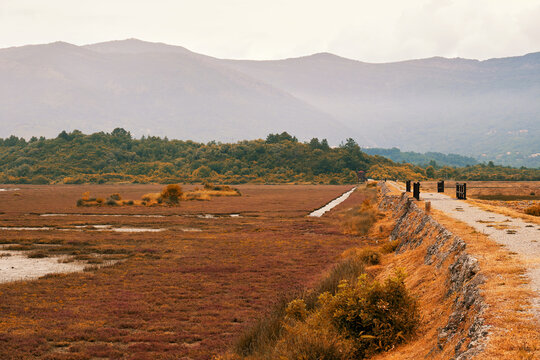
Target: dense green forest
425 159
280 158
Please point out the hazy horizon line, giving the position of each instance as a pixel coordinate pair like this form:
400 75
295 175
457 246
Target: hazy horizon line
274 59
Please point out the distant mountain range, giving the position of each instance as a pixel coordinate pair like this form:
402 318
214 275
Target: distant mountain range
486 109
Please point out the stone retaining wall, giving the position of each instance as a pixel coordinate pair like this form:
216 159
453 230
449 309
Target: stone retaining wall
447 252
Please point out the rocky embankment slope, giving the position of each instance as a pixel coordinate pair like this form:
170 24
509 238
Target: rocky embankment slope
456 277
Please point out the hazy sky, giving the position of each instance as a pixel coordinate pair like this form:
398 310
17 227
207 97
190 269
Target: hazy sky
374 30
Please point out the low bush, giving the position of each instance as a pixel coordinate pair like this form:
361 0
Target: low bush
533 210
151 197
217 189
306 341
111 202
172 194
361 318
376 315
115 196
296 310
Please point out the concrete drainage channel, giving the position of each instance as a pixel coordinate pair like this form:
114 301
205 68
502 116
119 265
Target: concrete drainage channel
332 204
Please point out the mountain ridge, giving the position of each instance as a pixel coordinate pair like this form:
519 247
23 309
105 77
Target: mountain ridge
452 105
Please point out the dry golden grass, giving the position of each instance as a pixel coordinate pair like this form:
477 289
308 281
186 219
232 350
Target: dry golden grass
428 285
514 333
533 210
161 198
151 197
504 211
209 193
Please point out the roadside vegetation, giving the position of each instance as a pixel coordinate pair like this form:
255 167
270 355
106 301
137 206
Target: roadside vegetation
348 315
76 158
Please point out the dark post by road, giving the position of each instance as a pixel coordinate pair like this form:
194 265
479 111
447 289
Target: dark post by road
416 190
440 186
461 191
408 186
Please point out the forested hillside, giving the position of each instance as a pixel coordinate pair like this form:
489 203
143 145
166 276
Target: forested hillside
428 158
280 158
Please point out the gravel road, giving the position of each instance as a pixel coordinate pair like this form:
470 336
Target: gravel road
516 234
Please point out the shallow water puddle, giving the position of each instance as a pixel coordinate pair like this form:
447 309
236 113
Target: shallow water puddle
87 227
15 265
190 229
14 189
106 215
121 229
214 216
43 228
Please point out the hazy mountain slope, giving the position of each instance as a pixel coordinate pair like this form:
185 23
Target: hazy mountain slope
451 105
47 88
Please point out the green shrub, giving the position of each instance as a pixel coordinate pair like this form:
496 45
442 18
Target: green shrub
296 310
377 316
351 320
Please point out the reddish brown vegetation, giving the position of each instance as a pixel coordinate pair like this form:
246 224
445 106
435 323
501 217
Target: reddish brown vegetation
177 293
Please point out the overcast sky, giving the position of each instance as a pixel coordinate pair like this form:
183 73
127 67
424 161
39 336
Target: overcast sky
374 30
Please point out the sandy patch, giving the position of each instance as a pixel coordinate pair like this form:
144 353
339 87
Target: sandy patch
15 265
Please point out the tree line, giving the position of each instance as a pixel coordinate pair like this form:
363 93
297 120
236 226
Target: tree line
280 158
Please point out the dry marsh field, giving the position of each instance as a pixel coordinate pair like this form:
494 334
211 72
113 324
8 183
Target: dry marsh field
187 290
